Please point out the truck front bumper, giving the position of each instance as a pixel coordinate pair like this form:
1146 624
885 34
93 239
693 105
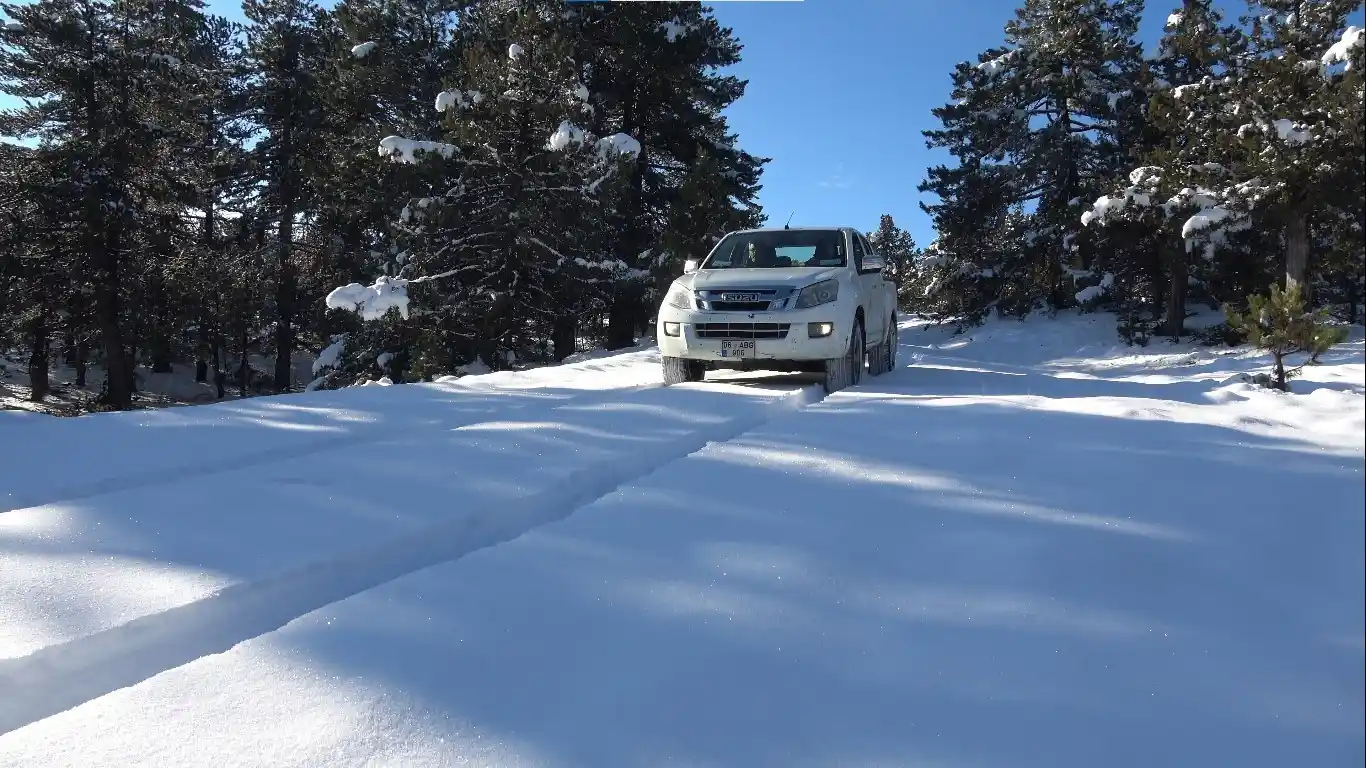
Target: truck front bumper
793 335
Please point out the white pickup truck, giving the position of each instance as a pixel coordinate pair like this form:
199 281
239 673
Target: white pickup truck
812 299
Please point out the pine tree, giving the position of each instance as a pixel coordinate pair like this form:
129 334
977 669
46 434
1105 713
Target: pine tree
510 237
672 104
897 247
1280 323
102 82
286 49
1300 141
1184 155
1038 125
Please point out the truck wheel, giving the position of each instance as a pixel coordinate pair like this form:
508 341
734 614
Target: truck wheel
891 345
882 358
846 371
877 358
678 370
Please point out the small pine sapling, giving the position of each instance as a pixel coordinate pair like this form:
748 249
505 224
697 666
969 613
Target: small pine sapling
1280 324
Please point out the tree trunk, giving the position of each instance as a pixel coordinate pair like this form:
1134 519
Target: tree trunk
38 364
564 336
160 352
82 355
1297 254
1176 293
284 332
118 391
621 319
243 369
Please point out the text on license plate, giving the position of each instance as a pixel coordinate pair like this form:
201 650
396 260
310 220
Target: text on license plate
737 348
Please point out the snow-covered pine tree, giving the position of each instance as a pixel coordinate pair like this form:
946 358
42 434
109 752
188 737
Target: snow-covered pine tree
287 53
672 103
34 260
101 82
217 170
1037 126
1299 126
1185 154
503 241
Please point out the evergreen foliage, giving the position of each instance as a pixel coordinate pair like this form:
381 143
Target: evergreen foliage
191 191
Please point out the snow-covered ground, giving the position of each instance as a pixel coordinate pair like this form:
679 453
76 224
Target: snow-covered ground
1029 545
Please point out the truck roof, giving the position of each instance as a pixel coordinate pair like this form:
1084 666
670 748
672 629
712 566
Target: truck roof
792 229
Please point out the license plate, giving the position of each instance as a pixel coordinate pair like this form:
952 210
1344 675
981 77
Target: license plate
739 297
737 348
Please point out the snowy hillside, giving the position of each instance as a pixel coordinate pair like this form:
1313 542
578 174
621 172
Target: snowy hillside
1029 545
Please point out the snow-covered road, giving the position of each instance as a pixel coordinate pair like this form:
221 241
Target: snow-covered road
1021 550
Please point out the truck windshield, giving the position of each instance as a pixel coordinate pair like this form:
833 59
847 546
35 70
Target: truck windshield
779 249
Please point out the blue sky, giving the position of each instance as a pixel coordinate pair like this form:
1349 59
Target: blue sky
839 91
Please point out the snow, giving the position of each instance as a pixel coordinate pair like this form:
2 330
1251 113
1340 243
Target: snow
515 51
1096 554
477 367
1290 133
1093 292
371 302
406 150
330 357
565 135
1174 19
993 67
1209 219
457 98
1341 51
364 49
618 143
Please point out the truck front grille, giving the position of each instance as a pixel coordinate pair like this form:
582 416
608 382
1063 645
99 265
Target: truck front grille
740 306
742 330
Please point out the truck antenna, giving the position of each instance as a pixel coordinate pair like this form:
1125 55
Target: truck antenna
789 220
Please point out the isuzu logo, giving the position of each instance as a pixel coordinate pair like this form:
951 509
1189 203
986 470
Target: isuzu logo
739 297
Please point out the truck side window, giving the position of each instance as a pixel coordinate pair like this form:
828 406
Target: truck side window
858 252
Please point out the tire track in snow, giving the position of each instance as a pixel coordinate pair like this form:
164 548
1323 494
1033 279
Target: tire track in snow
60 677
193 470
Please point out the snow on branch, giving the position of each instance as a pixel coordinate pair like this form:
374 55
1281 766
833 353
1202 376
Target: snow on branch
618 143
1143 183
457 99
331 355
1341 51
364 49
406 150
565 136
1093 292
993 67
372 302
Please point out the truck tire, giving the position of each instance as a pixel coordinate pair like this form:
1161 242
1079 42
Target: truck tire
678 370
847 371
882 358
877 357
891 345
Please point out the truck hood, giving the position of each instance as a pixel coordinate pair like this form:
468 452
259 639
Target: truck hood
796 277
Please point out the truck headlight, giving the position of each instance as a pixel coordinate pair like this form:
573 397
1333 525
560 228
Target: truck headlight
820 293
680 298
